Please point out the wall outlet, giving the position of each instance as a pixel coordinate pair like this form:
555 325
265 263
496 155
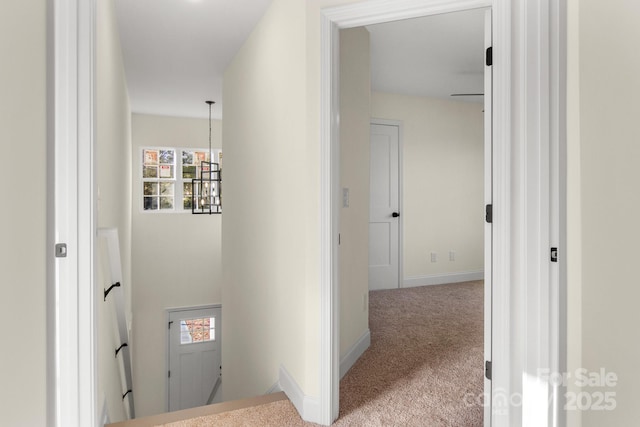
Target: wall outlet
452 255
434 257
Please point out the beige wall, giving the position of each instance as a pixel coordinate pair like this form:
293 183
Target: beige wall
574 225
609 137
443 164
176 257
23 217
266 200
113 179
355 114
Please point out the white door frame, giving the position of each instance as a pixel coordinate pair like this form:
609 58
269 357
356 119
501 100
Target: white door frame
72 389
528 94
400 125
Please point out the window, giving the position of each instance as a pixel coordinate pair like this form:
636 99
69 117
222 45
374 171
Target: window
197 330
166 177
158 177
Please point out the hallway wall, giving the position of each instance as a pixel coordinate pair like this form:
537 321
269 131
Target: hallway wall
113 181
176 257
23 218
355 116
443 187
609 177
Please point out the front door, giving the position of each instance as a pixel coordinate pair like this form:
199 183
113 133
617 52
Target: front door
194 356
384 230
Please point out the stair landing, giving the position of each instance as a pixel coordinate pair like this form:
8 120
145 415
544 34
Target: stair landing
201 411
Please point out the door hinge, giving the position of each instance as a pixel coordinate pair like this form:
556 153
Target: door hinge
554 254
339 239
169 326
61 250
487 369
489 214
489 56
168 374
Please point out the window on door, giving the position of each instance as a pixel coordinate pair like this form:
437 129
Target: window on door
197 330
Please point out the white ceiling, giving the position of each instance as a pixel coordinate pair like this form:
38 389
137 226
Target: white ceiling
175 52
432 56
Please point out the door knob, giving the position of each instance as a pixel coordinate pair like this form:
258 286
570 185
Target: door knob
395 214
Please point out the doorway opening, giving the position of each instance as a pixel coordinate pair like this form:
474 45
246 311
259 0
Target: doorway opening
333 24
444 154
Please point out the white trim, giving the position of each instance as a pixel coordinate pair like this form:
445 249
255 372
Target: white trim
355 352
522 110
488 200
104 413
379 11
329 222
442 278
275 388
307 407
74 303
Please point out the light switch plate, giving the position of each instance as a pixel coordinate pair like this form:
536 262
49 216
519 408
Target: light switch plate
345 197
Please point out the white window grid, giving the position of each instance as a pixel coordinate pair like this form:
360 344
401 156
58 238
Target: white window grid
166 185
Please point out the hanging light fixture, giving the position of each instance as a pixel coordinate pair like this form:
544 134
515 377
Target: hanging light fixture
207 189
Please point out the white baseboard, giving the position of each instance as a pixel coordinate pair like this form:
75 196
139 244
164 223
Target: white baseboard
274 388
308 407
104 413
443 278
354 353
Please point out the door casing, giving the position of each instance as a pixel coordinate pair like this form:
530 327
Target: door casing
527 78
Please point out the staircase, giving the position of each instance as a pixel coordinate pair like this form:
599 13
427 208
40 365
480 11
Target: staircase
201 411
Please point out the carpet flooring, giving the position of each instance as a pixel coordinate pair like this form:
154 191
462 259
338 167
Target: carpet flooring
424 366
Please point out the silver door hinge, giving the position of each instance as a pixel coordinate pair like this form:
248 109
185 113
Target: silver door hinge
487 369
61 250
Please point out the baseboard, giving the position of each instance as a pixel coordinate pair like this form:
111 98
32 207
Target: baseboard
274 388
442 279
307 407
354 353
104 413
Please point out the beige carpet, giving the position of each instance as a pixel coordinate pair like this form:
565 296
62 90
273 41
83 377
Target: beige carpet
424 364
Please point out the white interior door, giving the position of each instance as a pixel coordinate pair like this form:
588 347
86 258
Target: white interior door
194 357
488 200
384 210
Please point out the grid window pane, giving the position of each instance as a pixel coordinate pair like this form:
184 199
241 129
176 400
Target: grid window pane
167 157
150 172
150 188
197 330
166 202
150 203
166 188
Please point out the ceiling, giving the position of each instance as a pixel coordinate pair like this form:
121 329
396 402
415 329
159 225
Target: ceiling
175 52
433 56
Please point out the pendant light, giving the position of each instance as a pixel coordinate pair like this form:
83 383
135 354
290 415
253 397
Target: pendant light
206 196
